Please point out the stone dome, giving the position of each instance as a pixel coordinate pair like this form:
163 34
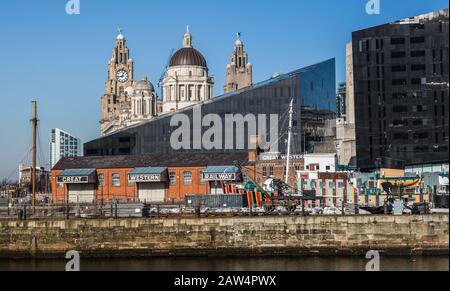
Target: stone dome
144 85
188 56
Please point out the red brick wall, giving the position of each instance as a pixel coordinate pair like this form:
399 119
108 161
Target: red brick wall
180 189
279 168
127 192
59 194
124 193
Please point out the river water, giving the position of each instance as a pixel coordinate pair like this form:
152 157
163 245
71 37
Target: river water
440 263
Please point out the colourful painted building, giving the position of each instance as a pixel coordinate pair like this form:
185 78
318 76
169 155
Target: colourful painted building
336 189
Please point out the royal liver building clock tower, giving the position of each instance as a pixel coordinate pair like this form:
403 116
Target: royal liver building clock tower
120 77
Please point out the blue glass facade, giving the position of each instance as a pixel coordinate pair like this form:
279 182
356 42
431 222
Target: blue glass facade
312 89
318 86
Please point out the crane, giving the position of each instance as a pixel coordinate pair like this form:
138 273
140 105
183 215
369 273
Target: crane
164 73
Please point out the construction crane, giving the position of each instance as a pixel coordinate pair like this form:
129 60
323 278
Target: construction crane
163 75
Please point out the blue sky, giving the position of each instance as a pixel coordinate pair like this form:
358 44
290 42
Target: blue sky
61 60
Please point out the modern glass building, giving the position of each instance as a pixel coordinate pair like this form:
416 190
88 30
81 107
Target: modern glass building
401 85
63 145
312 89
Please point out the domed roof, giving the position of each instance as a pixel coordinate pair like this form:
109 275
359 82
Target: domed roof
145 85
188 56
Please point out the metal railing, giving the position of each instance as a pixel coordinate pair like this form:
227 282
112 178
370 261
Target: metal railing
117 208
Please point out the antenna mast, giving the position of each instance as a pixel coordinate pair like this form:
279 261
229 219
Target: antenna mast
34 121
288 157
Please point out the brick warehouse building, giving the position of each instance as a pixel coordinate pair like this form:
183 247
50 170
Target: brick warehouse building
147 178
274 166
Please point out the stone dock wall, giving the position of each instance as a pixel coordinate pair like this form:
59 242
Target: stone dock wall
240 236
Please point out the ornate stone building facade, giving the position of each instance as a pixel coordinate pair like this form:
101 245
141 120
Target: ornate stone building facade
187 81
142 105
126 102
240 71
120 77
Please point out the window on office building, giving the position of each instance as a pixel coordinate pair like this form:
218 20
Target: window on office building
416 54
416 81
399 68
397 40
399 108
418 67
264 171
398 54
322 185
418 39
271 171
399 82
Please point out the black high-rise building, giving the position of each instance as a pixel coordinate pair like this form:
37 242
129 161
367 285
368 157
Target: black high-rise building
401 87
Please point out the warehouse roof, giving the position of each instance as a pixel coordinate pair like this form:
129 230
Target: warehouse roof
221 170
154 160
148 171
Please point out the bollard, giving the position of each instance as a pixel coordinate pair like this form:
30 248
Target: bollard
115 209
24 212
